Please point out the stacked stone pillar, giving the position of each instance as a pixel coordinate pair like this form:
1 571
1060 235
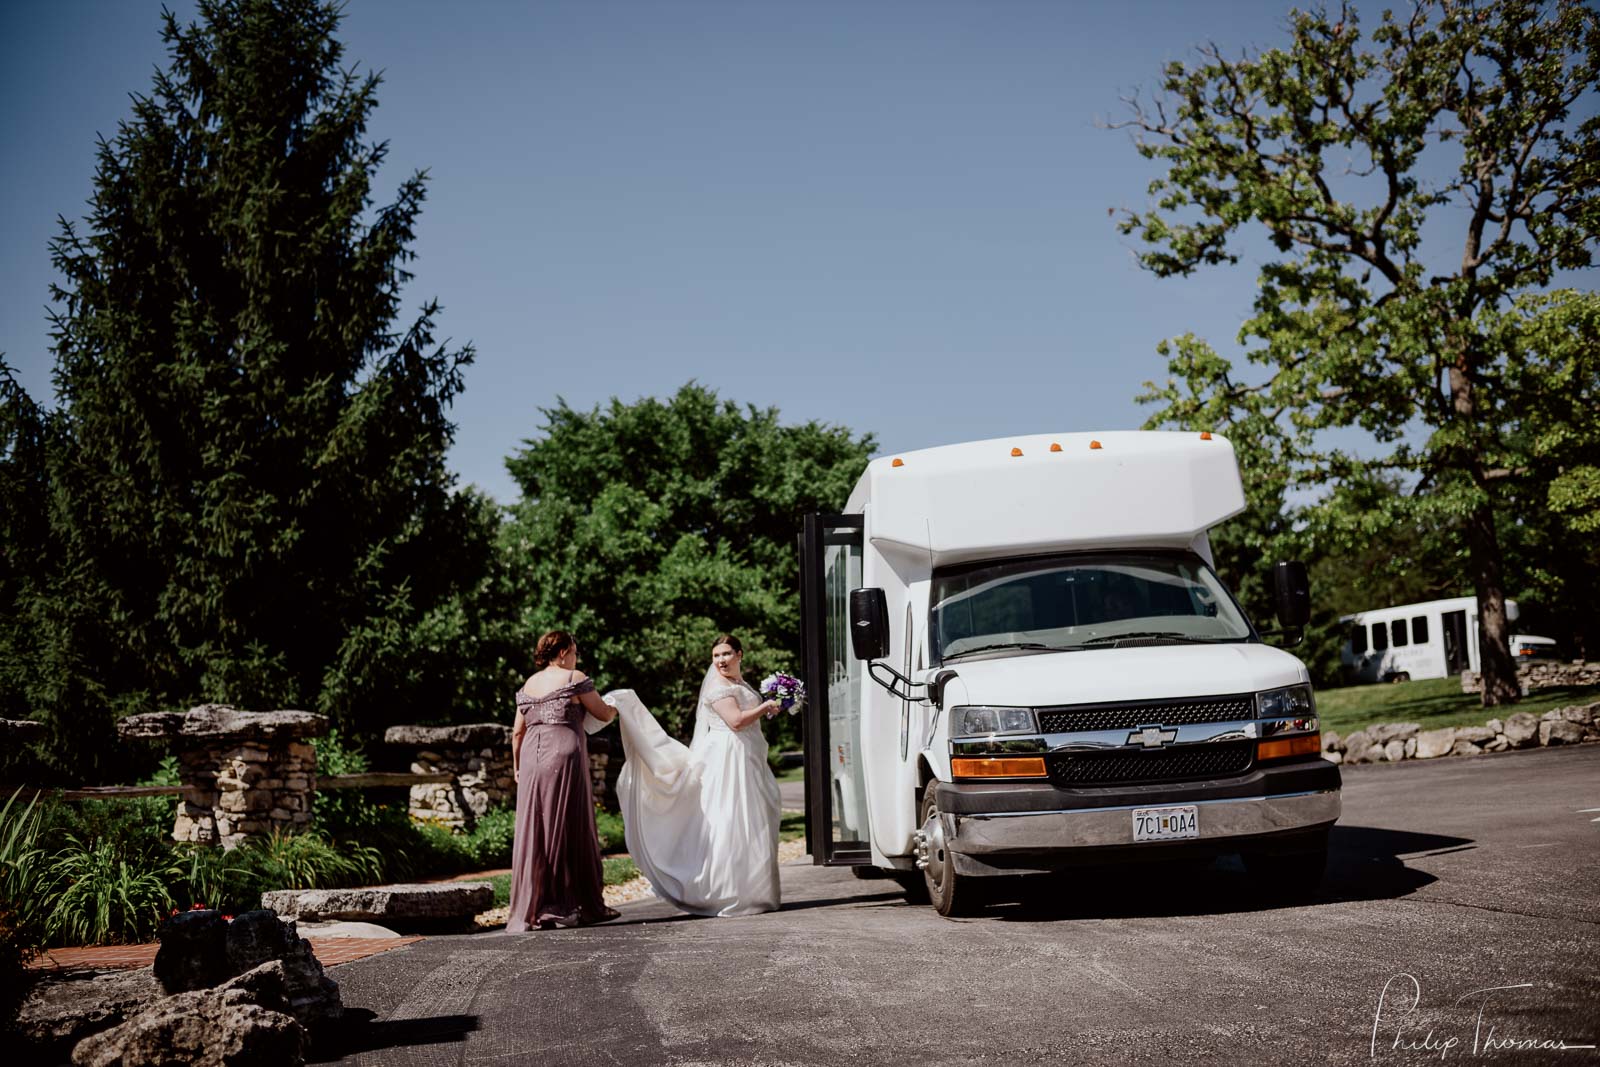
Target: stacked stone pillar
244 773
478 756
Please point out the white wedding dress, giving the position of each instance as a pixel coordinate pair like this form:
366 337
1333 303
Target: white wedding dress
701 819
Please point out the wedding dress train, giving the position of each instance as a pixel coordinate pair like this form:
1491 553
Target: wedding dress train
701 819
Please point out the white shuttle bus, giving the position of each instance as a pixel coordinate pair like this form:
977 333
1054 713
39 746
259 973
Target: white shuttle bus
1026 662
1433 639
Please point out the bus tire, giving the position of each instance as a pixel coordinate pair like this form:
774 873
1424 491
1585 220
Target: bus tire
952 895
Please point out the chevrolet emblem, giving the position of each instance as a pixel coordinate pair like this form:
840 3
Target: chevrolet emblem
1152 736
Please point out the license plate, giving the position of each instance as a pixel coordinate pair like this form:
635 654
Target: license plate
1166 824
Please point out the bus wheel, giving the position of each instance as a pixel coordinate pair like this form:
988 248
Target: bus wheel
950 894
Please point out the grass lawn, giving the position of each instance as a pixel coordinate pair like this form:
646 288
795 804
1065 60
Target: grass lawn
793 826
1433 702
793 774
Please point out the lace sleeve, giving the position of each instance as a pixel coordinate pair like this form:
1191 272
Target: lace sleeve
737 692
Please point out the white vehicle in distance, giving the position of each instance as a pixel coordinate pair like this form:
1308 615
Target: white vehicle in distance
1431 639
1030 664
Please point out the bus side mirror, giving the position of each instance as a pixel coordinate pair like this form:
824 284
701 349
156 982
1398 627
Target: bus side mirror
1292 594
869 624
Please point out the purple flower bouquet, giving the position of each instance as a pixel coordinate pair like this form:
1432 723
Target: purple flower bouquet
786 689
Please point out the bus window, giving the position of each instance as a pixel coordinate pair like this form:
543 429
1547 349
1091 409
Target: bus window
1419 630
1398 629
1358 638
1380 636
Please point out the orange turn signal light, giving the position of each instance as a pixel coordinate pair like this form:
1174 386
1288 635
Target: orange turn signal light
1054 447
898 462
1309 745
998 767
1016 451
1205 435
1094 444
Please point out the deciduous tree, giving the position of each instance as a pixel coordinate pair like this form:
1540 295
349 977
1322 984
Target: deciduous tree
648 528
1418 189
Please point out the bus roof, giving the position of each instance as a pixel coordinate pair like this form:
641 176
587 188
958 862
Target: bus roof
1039 493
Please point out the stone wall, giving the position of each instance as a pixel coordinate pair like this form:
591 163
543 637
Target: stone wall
1392 742
479 756
244 773
1542 674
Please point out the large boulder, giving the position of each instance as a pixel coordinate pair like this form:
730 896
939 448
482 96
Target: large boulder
243 1023
201 949
61 1011
1582 714
1357 747
1559 732
1434 743
1475 735
433 906
1384 732
1521 729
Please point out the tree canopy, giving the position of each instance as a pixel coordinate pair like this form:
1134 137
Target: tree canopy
241 495
647 529
1418 189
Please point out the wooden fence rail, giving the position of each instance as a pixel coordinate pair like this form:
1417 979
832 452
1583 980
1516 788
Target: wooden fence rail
372 779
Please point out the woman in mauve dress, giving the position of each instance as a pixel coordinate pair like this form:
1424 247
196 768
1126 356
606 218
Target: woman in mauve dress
555 854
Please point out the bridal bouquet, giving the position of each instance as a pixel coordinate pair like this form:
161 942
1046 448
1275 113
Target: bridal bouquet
786 689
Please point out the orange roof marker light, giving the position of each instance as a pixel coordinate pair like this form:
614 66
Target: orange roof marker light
1054 447
1205 435
898 462
1094 444
1016 451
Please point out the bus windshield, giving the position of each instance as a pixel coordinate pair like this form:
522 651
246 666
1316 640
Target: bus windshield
1078 602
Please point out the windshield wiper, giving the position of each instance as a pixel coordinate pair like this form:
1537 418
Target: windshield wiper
1028 646
1134 635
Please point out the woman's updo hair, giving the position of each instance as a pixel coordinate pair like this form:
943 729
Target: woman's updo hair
551 647
729 640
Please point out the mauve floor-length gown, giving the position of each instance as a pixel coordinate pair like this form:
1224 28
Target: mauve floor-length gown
555 853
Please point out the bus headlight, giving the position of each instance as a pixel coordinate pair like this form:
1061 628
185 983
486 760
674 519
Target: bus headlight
1293 702
978 721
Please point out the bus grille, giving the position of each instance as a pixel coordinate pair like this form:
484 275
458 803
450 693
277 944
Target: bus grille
1167 765
1181 712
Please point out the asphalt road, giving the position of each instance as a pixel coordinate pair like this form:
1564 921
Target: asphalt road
1447 877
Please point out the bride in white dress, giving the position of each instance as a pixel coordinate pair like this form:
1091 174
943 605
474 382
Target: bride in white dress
702 819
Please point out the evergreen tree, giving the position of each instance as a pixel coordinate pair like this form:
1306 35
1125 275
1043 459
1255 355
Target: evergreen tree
243 486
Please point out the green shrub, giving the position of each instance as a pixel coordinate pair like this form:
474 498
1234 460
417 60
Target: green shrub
27 884
111 891
138 824
609 825
307 860
26 888
489 843
217 878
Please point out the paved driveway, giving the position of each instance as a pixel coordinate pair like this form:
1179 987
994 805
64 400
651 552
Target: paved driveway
1457 874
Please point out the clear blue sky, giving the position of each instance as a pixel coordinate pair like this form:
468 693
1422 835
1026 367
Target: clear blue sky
890 216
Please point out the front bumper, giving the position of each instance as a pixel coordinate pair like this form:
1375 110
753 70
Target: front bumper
997 830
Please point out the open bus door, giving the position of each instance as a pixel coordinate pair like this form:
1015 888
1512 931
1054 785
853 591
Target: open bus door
837 832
